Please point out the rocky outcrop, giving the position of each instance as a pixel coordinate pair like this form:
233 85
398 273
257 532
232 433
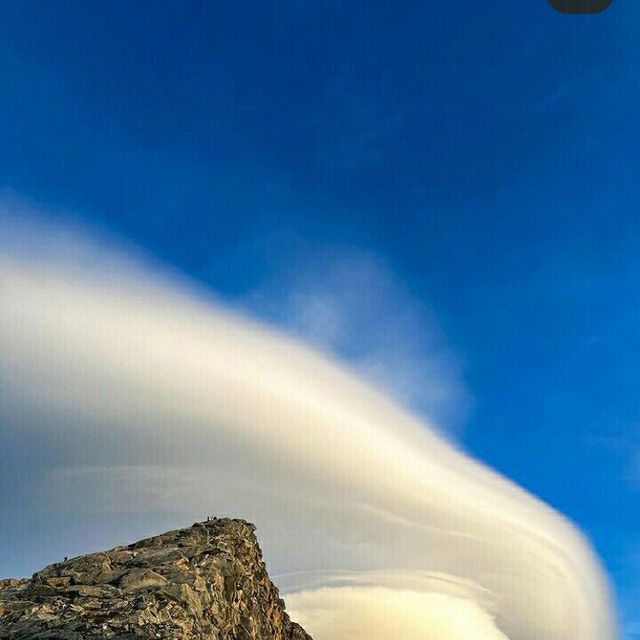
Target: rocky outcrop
204 582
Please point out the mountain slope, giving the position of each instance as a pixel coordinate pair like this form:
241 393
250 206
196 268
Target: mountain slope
206 581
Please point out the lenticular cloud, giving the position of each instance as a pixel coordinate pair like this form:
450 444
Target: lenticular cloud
373 525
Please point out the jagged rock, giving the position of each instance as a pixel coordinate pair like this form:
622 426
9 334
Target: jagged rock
205 582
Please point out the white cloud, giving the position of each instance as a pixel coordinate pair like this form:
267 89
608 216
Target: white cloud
363 613
348 303
165 401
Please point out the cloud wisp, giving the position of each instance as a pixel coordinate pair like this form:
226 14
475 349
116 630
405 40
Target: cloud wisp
348 303
159 399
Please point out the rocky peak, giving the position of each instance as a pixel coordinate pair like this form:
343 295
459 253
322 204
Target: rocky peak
204 582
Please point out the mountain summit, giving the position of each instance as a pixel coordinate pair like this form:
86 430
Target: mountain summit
207 581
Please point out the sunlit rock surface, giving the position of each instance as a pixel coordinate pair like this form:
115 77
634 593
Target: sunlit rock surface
206 581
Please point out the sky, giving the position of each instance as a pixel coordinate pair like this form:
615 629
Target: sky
441 197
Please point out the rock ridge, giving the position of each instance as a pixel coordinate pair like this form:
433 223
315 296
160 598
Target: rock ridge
207 581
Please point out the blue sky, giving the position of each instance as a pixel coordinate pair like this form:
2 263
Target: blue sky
479 159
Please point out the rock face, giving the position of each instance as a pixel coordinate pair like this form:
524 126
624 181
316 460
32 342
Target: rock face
204 582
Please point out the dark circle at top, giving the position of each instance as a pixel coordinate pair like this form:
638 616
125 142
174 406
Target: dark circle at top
580 6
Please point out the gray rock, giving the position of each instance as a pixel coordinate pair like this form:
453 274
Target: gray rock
204 582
